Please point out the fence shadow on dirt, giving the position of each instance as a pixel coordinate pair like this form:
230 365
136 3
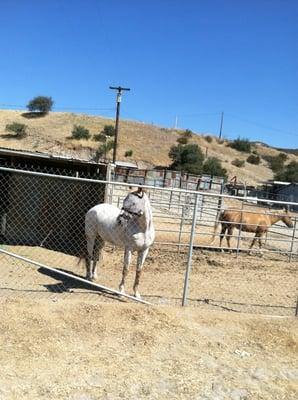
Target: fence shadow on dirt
68 285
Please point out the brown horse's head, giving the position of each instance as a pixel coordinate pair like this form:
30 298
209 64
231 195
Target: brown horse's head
286 219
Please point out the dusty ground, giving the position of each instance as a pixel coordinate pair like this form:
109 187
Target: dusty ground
266 285
82 351
237 339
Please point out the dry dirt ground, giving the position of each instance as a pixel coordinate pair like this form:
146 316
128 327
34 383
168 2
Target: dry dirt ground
61 340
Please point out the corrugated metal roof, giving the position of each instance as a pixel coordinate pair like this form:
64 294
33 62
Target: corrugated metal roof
38 154
126 164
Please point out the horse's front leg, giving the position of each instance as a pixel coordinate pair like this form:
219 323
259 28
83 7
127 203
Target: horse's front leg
140 262
257 236
126 262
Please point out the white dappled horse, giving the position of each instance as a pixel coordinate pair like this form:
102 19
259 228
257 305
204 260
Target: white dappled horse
131 228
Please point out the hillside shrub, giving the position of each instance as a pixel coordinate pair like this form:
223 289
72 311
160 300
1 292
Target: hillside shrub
208 138
128 153
108 130
238 163
239 144
79 132
283 156
182 140
103 150
99 137
253 159
187 133
276 163
42 104
289 173
18 129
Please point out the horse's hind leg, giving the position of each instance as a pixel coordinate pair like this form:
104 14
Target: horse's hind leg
256 237
229 235
222 234
89 256
126 262
140 262
97 256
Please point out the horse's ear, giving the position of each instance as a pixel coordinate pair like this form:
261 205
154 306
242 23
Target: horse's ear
140 192
286 209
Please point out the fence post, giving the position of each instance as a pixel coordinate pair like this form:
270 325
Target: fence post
180 229
189 260
239 230
292 245
110 168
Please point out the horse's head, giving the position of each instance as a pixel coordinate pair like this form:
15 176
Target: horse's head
133 206
286 219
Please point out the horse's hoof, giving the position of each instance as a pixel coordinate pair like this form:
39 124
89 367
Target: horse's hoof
138 296
121 289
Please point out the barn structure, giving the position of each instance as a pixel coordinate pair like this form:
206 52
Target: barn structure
280 191
45 210
289 193
130 173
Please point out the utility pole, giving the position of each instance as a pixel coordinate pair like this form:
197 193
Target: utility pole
118 100
176 122
221 123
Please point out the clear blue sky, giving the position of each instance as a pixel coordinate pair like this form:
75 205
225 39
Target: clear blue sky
187 58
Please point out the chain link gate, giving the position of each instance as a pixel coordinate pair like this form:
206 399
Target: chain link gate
42 219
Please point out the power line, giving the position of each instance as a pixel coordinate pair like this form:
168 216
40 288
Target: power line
262 125
63 108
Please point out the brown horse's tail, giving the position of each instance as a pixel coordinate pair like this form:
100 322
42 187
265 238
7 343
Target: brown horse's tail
217 222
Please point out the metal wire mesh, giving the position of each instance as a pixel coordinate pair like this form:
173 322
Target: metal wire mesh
42 218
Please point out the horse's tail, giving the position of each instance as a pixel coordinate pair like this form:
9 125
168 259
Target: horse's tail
218 220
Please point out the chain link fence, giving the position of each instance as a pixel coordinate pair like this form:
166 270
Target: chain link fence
42 234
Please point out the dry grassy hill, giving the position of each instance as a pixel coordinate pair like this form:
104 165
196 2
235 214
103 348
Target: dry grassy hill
150 144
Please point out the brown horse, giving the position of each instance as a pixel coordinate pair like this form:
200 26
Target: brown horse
248 222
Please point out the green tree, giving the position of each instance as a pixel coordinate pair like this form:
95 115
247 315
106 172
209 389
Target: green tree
212 166
188 158
289 173
42 104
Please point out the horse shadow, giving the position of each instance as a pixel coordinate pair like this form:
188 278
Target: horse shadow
67 284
